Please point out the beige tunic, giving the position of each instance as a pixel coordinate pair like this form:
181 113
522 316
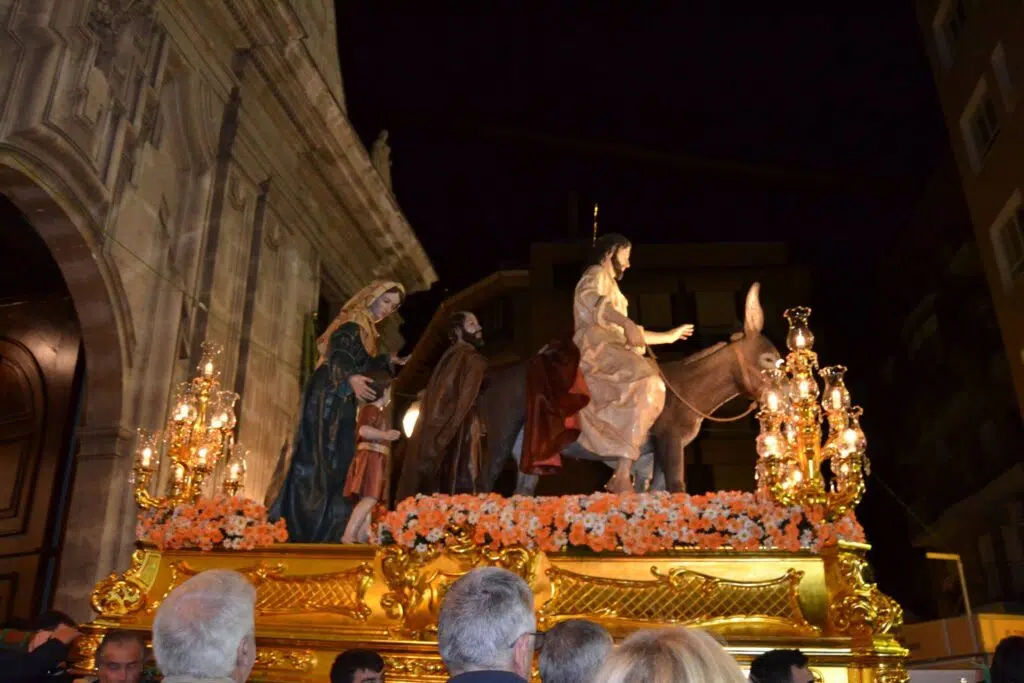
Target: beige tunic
626 392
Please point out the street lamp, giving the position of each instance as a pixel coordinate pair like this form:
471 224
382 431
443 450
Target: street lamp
954 557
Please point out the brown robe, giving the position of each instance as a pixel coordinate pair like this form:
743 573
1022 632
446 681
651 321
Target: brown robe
444 453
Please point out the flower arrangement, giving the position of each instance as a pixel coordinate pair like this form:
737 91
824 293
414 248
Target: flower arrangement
635 524
229 522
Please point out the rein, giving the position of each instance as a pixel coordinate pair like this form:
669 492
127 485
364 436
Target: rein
682 399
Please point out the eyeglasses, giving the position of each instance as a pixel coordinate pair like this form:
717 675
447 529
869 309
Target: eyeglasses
538 640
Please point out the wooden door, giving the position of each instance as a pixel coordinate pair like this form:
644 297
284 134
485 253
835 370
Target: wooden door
39 352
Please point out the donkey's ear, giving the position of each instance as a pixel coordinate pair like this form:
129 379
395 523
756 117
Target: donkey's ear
753 314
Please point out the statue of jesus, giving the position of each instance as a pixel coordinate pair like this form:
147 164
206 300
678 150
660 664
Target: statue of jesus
627 392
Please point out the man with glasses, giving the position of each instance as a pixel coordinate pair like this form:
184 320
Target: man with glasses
486 630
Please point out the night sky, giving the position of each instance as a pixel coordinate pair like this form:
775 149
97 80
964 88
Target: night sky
815 128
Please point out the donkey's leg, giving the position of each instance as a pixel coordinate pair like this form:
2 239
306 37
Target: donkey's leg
643 470
526 484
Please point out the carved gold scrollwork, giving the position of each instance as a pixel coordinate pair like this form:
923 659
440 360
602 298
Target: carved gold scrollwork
678 596
83 652
415 667
119 596
418 581
341 593
891 672
300 661
857 608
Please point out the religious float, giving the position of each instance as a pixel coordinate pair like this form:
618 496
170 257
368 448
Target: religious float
784 566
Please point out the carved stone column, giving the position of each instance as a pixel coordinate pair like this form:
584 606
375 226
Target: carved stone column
102 537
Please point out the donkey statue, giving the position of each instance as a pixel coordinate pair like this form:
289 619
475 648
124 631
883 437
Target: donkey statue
696 387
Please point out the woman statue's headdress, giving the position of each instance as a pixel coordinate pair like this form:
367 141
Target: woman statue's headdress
357 310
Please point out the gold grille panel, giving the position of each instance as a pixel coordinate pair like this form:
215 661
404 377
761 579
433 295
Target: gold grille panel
679 596
278 594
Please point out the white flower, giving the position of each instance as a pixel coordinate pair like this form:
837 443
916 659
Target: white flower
435 535
421 547
806 538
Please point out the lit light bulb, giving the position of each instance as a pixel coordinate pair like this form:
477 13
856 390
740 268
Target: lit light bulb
208 369
233 472
201 457
179 473
850 436
215 423
147 457
773 401
804 387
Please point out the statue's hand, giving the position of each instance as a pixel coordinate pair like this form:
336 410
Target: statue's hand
683 332
393 435
399 360
361 386
635 336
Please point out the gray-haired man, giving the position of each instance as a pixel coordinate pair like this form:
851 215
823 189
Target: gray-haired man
573 651
486 630
205 629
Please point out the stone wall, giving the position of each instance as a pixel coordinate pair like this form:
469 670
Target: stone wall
190 166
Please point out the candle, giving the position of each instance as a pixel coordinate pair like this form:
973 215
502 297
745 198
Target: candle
773 401
201 457
208 369
147 456
179 473
233 472
801 340
837 398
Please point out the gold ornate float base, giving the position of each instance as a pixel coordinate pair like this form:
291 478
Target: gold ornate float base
313 601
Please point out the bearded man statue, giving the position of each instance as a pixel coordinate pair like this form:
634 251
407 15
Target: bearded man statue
627 393
444 453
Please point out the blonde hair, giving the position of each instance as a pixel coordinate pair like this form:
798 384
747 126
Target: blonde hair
673 655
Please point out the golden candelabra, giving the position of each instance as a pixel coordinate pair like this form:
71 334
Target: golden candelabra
793 446
199 433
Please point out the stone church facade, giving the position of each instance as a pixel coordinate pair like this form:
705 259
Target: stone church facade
191 168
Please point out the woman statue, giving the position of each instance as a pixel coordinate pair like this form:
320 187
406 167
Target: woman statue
312 500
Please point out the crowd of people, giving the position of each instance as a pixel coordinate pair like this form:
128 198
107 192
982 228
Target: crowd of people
205 632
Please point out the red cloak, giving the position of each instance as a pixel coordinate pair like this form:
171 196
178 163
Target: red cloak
555 393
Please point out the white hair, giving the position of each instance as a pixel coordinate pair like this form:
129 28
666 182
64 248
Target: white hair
483 614
199 627
573 651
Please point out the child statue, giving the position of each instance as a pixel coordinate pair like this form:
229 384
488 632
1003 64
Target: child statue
367 475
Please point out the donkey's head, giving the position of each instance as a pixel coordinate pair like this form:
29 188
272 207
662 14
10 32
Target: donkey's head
755 351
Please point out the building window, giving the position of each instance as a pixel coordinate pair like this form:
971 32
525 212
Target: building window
979 125
1007 89
1008 241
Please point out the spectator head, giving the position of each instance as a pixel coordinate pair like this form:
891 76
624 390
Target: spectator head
46 624
357 666
205 628
781 666
487 623
1008 661
573 651
120 657
673 655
